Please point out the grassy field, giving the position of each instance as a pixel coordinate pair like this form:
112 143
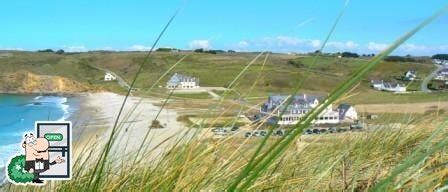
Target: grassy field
355 161
411 155
383 158
279 75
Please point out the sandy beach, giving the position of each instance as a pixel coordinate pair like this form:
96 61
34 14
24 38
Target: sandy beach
94 122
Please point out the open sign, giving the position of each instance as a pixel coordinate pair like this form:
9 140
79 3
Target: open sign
59 137
53 136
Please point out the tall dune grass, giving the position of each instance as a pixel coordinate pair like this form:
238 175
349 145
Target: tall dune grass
346 161
412 156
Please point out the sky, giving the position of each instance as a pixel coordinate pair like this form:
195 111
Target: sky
367 26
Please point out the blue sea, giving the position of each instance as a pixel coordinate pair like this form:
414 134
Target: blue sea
18 114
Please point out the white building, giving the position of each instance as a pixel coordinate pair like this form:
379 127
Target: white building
109 77
388 86
347 113
442 75
328 116
300 106
440 61
410 75
179 81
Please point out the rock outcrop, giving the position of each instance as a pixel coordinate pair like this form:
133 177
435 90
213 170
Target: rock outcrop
27 82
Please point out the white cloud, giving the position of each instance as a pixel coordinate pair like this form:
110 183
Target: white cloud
106 49
12 48
342 46
285 44
408 48
414 48
243 44
139 48
197 44
305 22
77 48
316 44
288 42
376 47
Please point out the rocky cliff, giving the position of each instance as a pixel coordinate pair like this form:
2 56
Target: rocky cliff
27 82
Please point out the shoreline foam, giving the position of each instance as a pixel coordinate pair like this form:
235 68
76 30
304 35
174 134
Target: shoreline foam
63 103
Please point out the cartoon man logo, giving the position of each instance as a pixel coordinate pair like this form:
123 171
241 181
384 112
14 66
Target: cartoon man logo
26 168
37 156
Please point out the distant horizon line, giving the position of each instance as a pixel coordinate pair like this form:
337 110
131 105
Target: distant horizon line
205 51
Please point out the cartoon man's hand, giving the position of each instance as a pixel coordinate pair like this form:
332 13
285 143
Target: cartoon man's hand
31 170
59 160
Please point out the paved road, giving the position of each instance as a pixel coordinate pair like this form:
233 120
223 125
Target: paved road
425 82
209 90
120 81
213 94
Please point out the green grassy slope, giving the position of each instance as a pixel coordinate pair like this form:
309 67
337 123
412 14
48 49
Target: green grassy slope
280 74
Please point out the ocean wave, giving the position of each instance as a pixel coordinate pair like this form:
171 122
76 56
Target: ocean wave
47 100
7 151
50 99
61 103
38 97
65 107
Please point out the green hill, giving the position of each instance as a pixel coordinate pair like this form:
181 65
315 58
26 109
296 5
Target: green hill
280 74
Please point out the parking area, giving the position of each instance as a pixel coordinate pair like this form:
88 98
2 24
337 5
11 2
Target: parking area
237 132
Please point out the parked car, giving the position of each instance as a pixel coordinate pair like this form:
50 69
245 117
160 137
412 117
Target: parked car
332 130
248 134
308 132
218 129
263 133
356 126
222 132
234 128
279 132
342 130
256 133
316 131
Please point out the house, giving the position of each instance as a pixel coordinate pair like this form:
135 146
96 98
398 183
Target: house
328 116
381 85
440 61
377 84
410 75
442 75
347 113
179 81
300 105
109 77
